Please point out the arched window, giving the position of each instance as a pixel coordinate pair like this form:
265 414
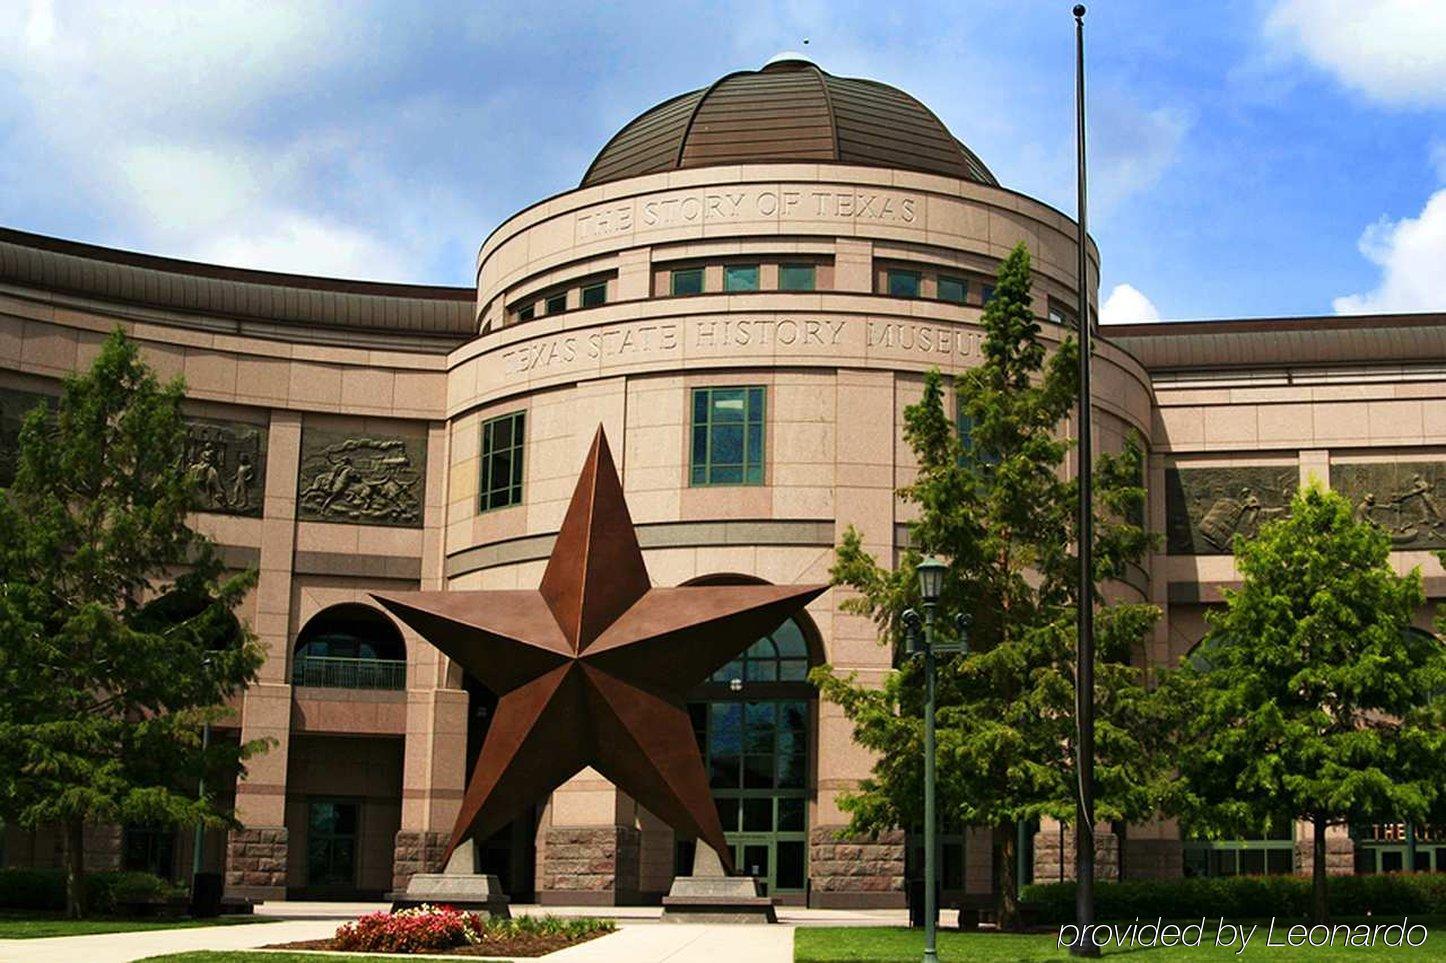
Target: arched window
780 657
350 646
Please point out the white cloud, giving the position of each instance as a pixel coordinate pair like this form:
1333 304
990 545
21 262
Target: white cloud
163 117
1410 253
1131 147
299 244
1393 51
1126 305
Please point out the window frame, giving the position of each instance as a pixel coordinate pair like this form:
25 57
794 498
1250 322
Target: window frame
812 270
675 273
515 487
916 276
748 422
943 279
587 288
728 270
559 298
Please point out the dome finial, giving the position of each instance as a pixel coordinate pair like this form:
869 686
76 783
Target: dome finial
787 57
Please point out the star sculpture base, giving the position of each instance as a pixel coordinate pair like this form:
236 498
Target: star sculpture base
459 885
711 896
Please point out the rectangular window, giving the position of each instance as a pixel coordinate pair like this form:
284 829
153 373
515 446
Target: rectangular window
904 284
954 290
557 303
594 294
796 277
688 281
740 277
527 312
728 428
501 482
986 292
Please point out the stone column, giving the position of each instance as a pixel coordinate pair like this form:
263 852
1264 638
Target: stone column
1340 850
844 871
256 854
435 764
853 266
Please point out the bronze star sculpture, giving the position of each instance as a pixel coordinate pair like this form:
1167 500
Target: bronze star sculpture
591 669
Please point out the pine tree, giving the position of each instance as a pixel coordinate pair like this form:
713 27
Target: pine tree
997 507
116 620
1309 699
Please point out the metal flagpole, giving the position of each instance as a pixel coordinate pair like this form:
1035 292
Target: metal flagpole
1085 652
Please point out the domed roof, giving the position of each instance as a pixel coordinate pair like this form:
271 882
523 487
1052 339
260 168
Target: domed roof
790 110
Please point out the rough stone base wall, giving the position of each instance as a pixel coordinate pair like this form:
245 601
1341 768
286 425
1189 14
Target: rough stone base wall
855 871
417 852
1154 859
256 862
1340 855
1048 859
595 865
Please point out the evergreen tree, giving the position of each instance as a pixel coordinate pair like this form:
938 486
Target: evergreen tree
117 639
1308 699
994 503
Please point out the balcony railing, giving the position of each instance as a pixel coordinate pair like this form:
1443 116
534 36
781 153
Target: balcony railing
332 672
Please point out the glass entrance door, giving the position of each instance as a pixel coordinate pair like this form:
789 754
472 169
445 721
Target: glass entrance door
331 838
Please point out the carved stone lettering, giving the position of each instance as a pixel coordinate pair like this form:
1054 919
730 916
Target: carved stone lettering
724 204
362 479
228 459
14 406
1205 508
1407 499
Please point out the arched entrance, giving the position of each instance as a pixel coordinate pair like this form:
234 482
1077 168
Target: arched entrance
754 720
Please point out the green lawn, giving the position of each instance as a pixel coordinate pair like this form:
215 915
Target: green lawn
33 926
843 944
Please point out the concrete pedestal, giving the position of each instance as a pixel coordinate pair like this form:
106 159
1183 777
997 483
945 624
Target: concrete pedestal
708 896
459 885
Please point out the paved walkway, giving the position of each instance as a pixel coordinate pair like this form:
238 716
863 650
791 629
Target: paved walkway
641 936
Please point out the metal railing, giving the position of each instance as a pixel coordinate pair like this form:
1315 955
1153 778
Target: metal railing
332 672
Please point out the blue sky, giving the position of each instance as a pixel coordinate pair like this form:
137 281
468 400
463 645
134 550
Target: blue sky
1249 157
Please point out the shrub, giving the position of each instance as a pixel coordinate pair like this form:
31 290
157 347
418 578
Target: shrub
1242 897
429 927
411 930
44 889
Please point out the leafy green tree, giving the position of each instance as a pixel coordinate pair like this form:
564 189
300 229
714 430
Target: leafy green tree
117 638
995 503
1308 699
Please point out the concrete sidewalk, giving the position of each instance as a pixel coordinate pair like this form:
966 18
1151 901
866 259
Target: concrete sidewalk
641 938
125 947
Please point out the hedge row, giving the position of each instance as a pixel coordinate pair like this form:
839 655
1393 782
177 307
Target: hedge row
44 889
1242 897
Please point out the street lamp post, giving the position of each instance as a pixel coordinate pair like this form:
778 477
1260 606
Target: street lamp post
931 584
197 849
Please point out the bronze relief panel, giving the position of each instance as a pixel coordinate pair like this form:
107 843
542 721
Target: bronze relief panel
229 461
1407 499
361 477
1205 508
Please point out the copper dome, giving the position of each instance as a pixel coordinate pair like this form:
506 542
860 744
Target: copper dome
788 111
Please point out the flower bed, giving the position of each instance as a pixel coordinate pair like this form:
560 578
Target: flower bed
445 929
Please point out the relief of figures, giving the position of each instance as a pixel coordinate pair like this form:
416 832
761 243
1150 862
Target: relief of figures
229 461
1408 500
373 481
1207 507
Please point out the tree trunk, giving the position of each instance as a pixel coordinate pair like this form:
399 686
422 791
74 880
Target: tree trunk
1008 877
1318 910
75 906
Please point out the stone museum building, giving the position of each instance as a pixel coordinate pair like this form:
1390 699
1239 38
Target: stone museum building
745 290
